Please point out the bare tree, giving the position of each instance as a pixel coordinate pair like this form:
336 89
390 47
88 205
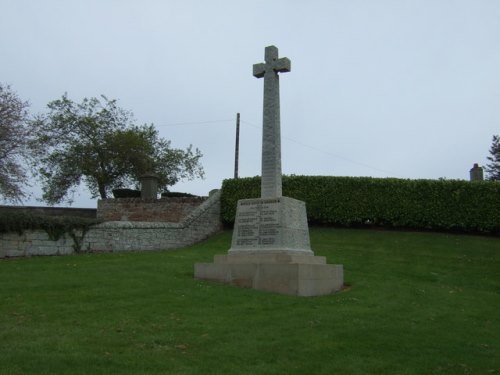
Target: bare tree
13 145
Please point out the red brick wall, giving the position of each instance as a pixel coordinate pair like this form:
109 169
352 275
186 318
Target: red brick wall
170 210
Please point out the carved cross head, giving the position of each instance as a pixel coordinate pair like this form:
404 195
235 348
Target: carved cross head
272 64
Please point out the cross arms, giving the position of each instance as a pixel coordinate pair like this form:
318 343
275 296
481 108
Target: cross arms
272 62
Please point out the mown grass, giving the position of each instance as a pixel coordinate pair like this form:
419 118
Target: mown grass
418 303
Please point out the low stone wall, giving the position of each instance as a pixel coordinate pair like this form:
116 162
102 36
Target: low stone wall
128 235
171 210
34 242
201 223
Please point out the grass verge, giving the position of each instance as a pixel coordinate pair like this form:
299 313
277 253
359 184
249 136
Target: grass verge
418 303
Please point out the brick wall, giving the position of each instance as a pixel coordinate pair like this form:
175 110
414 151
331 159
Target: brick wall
171 210
198 225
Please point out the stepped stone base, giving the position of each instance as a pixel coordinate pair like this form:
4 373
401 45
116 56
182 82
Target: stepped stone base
292 274
271 251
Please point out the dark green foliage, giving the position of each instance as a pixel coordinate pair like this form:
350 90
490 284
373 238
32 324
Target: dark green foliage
97 143
175 194
363 201
126 193
55 226
235 189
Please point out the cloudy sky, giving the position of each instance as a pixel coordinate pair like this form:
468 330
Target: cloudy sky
399 88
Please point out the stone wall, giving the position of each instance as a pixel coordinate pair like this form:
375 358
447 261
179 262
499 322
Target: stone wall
198 225
202 222
34 242
171 210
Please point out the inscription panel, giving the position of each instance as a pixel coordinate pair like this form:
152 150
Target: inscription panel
257 223
274 224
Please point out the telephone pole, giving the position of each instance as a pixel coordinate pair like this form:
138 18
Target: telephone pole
237 147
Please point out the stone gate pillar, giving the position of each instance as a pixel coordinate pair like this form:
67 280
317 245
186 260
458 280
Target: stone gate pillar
149 186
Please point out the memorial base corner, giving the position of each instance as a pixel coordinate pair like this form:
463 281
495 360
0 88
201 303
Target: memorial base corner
299 275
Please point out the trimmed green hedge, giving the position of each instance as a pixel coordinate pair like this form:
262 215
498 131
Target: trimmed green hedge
358 201
126 193
55 226
176 194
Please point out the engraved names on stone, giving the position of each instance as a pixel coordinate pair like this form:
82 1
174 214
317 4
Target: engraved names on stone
258 223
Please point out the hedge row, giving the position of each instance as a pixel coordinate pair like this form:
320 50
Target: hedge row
357 201
55 226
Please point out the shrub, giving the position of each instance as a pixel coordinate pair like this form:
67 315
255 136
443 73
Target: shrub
55 226
388 202
174 194
126 193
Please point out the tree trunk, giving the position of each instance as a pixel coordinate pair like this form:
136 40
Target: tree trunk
102 190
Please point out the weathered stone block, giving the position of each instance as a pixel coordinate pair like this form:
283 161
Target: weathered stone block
312 279
45 249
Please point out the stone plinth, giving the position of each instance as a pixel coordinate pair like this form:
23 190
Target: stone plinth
271 251
149 186
292 274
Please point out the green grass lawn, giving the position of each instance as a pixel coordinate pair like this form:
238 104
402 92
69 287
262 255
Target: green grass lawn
418 303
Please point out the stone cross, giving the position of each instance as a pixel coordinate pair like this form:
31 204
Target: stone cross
271 136
270 249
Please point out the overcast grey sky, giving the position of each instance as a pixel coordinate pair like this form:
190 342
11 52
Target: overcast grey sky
399 88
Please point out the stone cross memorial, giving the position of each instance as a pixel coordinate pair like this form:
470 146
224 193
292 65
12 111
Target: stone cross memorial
271 136
270 249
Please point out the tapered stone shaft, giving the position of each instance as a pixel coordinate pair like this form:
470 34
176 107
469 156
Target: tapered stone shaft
271 134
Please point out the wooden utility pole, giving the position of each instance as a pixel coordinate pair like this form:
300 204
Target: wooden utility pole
237 147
